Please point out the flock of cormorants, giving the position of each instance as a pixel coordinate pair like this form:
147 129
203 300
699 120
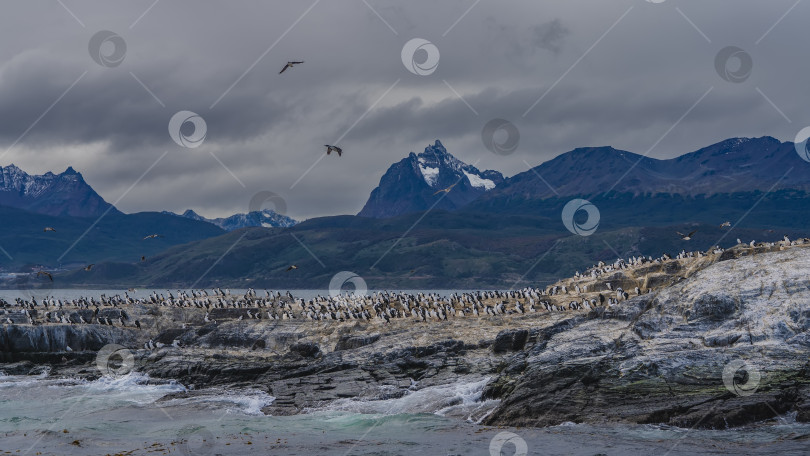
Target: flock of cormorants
584 292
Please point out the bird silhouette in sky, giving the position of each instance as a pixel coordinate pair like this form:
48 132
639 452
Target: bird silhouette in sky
290 65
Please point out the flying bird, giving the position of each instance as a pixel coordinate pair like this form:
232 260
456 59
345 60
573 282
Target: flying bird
337 149
290 65
89 266
48 228
686 237
45 273
143 258
446 190
725 225
153 236
292 267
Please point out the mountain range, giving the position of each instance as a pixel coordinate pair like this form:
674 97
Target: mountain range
734 165
486 230
266 218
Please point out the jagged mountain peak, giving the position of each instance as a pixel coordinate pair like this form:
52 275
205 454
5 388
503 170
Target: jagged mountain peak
52 194
419 181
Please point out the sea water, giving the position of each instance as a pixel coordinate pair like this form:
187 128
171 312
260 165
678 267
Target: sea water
136 415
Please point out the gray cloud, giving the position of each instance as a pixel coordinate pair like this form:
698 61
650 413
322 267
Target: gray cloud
625 90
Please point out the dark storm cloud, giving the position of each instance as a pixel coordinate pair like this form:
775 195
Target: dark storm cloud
549 35
624 88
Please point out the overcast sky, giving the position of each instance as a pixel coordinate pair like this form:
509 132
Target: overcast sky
624 73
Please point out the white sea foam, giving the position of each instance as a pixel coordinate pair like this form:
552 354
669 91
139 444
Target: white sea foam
11 381
461 399
135 387
247 401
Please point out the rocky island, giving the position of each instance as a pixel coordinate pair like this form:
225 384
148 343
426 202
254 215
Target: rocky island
705 339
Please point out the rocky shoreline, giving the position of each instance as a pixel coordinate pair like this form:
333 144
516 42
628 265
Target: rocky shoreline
716 341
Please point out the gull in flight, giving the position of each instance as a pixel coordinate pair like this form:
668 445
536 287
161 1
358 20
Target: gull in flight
292 267
153 236
46 274
289 65
686 237
89 266
337 149
725 225
446 190
48 228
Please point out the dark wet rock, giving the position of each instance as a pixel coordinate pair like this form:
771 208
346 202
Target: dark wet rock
510 340
306 349
57 338
348 342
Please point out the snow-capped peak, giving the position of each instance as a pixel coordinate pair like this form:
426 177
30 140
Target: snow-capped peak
266 218
435 158
49 193
431 179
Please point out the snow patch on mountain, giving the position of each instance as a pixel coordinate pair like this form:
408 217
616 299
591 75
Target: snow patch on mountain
479 182
429 174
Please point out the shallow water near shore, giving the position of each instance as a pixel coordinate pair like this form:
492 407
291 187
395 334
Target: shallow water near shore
137 415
